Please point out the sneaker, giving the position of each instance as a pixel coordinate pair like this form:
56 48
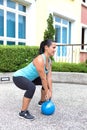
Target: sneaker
26 115
40 103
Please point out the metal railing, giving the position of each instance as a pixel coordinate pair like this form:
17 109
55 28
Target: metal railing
70 53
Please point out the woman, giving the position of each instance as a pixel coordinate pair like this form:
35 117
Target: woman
38 72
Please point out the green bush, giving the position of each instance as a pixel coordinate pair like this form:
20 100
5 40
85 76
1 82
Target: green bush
13 58
16 57
69 67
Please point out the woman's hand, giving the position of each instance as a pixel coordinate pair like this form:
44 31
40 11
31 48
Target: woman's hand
48 95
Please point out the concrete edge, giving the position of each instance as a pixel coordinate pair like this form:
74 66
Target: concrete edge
57 77
69 77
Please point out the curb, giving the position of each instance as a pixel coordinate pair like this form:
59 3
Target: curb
57 77
69 77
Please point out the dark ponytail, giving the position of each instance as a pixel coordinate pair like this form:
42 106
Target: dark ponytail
41 50
47 42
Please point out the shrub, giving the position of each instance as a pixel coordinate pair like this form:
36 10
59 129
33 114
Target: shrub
13 58
69 67
50 31
16 57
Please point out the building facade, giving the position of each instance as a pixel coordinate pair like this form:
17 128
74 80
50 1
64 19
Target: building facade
83 52
23 22
17 20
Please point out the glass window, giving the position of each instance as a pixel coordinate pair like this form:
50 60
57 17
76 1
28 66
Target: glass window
58 34
1 23
57 19
10 43
64 35
58 37
65 22
13 15
64 40
22 8
11 4
10 24
21 43
69 38
1 42
1 2
63 31
21 27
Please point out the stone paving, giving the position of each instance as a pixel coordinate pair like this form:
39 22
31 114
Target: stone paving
70 113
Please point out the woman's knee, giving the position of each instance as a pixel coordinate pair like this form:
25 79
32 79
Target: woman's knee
30 92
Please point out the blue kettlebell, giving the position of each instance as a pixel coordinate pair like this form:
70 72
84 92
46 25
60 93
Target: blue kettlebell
47 108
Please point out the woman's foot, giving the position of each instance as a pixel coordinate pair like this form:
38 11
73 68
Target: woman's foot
40 103
26 114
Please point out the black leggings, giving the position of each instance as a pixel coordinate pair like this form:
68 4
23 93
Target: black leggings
25 84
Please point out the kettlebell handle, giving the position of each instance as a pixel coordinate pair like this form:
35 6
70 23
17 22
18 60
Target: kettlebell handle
49 99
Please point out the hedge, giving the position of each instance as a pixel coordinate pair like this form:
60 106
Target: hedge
16 57
69 67
13 58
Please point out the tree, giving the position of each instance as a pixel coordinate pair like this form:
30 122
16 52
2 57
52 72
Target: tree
50 31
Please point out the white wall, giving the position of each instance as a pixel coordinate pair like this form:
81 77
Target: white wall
31 24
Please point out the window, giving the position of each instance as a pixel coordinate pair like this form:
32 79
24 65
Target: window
21 43
22 8
1 42
10 43
12 23
11 4
1 2
83 37
63 34
21 26
1 22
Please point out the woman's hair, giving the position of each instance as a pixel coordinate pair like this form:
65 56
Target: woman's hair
44 43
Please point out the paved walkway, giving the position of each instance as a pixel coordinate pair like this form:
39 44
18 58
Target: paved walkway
70 114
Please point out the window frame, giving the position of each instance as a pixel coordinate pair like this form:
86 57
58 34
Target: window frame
17 13
67 26
61 25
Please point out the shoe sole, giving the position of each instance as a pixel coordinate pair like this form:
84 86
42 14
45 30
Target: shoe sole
39 105
21 117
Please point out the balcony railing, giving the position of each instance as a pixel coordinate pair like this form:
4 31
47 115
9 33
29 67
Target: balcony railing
72 53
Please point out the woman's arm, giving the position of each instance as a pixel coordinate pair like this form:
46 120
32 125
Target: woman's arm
49 80
39 64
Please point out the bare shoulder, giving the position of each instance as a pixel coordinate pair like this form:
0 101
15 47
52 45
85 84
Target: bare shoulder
38 60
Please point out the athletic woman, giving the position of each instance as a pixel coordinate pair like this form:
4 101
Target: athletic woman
38 72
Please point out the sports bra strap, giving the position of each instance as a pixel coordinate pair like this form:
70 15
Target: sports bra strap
44 57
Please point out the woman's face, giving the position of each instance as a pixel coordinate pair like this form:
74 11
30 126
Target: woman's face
51 49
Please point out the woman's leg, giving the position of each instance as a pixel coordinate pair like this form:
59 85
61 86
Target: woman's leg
27 85
38 82
42 95
25 103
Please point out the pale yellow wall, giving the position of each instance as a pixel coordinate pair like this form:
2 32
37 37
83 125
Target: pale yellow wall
41 18
70 9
